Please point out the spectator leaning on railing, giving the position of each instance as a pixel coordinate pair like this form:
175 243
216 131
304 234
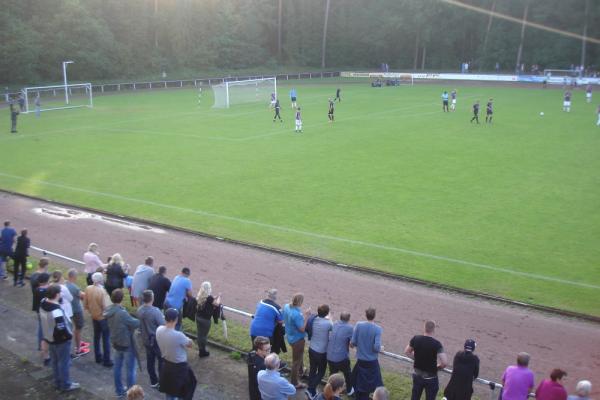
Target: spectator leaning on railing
181 289
429 357
552 389
338 356
267 317
160 285
317 350
518 380
116 271
92 261
141 280
204 314
366 338
465 369
295 326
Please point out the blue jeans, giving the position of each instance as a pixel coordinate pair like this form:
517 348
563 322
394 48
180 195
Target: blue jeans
61 362
152 355
101 330
430 385
128 357
169 397
2 270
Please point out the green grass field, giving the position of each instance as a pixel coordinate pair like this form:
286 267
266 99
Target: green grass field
511 209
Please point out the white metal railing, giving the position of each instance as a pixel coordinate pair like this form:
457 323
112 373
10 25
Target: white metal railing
407 360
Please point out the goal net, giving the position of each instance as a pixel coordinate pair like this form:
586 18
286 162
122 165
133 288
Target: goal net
57 97
247 91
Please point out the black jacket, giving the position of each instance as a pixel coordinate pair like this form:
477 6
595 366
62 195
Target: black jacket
177 380
160 285
114 277
22 247
465 369
278 344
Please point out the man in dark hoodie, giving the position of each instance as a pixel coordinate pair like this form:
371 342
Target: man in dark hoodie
56 328
465 370
121 326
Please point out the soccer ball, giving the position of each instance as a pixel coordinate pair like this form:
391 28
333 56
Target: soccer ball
541 114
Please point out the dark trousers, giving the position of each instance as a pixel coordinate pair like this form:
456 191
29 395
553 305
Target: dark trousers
13 121
153 355
318 365
88 279
430 385
475 118
343 367
203 327
20 263
101 332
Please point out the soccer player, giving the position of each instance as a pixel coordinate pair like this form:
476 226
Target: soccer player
293 97
330 112
277 109
445 101
298 121
38 105
489 112
273 100
453 100
598 111
199 94
475 112
588 93
14 112
337 95
567 101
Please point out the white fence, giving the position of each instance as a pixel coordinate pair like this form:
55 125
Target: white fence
392 356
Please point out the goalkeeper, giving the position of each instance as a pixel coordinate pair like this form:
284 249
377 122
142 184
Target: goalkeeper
277 108
14 112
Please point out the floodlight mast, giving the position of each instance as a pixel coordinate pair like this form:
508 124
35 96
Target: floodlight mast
64 64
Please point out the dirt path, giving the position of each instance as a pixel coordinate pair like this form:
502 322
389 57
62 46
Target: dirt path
242 274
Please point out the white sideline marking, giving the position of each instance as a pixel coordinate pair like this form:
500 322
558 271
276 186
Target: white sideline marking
306 233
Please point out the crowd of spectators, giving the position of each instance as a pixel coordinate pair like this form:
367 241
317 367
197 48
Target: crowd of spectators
59 304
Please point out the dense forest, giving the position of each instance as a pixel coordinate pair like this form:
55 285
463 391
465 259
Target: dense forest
116 39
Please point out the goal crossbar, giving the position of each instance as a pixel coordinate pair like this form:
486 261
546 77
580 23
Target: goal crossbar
57 97
243 91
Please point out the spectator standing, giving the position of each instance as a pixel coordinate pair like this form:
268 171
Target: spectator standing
65 296
7 241
141 280
205 311
552 389
582 390
338 356
317 350
381 393
465 369
34 279
271 384
177 379
366 337
96 301
333 389
14 113
295 328
135 393
150 319
81 348
92 261
38 105
429 357
39 293
181 289
518 380
256 363
266 317
20 258
160 285
122 325
115 273
57 332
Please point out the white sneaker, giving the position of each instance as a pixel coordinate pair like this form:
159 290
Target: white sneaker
74 386
351 392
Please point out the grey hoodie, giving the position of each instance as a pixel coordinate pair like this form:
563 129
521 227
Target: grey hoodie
121 326
141 279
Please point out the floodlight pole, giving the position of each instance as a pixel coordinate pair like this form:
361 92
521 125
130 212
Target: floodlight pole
64 64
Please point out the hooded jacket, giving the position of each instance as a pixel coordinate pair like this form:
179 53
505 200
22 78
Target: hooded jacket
141 279
121 326
56 326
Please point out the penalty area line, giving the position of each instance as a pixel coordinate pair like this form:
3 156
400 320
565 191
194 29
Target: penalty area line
306 233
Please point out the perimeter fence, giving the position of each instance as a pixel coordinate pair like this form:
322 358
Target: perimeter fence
491 385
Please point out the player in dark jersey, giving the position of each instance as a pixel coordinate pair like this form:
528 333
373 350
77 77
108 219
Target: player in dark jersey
588 93
338 96
453 100
475 112
489 112
567 101
277 108
330 112
445 101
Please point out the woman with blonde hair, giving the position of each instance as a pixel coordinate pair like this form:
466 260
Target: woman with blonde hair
115 273
333 389
206 308
92 261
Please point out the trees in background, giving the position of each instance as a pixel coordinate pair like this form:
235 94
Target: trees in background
114 39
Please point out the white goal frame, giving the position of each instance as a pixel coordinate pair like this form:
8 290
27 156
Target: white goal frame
29 93
227 85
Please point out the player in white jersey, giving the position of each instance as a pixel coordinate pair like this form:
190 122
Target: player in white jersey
567 101
598 111
298 121
453 100
588 93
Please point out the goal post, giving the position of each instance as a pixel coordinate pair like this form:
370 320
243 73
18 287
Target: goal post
246 91
55 97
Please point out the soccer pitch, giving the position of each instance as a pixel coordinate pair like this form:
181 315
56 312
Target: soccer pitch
395 184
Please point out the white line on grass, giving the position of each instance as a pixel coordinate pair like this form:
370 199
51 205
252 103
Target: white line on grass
306 233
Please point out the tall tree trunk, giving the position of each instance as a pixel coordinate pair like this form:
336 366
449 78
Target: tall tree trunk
487 32
585 27
423 57
417 41
279 24
520 52
324 45
156 24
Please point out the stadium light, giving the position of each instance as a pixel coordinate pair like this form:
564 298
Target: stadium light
65 79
